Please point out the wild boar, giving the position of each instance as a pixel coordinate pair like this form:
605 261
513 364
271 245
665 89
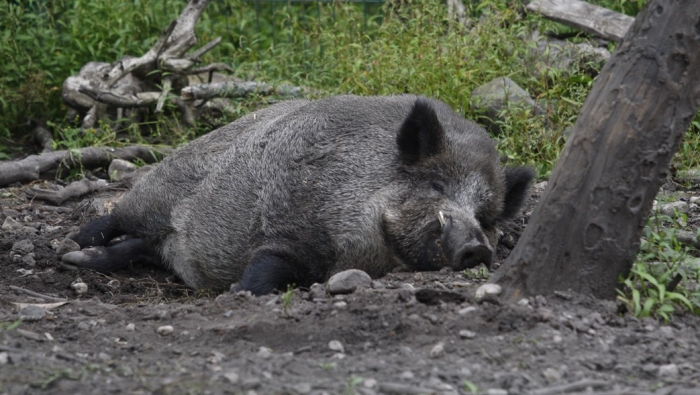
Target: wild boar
304 189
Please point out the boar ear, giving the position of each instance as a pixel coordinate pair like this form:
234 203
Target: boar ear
421 135
517 183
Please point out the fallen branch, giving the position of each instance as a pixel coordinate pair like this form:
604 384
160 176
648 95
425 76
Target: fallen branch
38 295
211 68
128 64
42 136
32 167
144 99
73 190
237 89
590 18
196 55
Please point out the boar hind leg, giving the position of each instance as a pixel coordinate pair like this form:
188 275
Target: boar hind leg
98 232
265 273
109 259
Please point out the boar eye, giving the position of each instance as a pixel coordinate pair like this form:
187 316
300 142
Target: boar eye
439 186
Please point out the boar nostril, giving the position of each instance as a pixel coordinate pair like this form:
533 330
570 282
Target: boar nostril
472 254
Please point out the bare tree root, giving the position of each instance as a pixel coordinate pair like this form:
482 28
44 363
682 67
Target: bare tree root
32 167
73 190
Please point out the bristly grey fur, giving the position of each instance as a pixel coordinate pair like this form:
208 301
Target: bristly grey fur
328 185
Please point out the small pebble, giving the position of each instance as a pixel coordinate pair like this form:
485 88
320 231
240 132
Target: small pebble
28 260
302 388
552 375
369 383
438 350
348 281
232 377
4 358
467 310
335 345
265 352
165 330
23 246
496 391
465 334
669 371
488 289
66 246
130 327
79 287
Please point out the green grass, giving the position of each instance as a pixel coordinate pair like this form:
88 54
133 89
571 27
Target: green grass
663 280
407 46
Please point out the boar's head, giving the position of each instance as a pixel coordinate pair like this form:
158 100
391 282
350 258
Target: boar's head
454 193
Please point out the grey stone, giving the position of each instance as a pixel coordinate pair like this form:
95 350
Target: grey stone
348 281
302 388
336 345
67 245
688 238
232 377
671 208
23 246
497 95
438 350
265 352
32 313
28 260
119 167
488 289
669 371
10 224
165 330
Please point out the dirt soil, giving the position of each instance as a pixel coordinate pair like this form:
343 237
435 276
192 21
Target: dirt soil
139 332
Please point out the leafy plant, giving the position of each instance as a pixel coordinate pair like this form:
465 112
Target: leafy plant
8 326
470 387
287 298
477 273
661 283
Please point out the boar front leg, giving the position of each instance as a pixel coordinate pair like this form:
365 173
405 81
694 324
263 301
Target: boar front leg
265 273
112 258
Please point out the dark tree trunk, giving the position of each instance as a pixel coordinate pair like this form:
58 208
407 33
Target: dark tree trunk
585 230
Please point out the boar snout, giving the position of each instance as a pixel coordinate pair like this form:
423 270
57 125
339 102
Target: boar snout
464 243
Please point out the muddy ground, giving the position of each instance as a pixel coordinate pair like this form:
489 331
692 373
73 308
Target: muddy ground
139 332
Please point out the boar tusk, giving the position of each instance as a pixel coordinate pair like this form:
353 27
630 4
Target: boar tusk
441 218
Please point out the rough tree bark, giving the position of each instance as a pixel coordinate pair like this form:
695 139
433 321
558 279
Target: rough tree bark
585 230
